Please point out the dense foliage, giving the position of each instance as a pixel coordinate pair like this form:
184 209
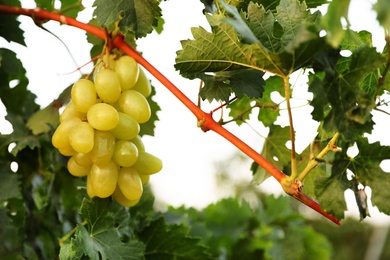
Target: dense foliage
250 51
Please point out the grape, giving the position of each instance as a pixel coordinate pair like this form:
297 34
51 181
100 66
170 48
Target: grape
135 105
130 183
81 137
67 151
143 84
103 149
90 192
125 153
127 127
76 169
104 179
103 117
71 111
147 163
138 142
83 95
144 179
83 159
60 137
127 70
121 199
108 86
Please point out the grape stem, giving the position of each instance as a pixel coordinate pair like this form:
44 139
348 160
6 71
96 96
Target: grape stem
205 120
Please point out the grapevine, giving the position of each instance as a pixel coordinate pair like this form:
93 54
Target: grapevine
99 131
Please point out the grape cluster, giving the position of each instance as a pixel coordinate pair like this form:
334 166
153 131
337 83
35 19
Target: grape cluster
99 131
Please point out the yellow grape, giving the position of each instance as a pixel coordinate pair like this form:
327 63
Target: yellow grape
104 179
121 199
138 142
103 117
60 139
67 151
76 169
81 137
83 95
71 111
125 153
103 149
83 159
130 183
135 105
144 179
127 70
108 86
143 84
127 127
147 163
90 192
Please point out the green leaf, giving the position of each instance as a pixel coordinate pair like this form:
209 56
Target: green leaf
101 237
367 170
332 21
382 7
240 82
330 190
9 185
240 109
275 151
44 120
10 26
164 241
148 127
136 16
269 111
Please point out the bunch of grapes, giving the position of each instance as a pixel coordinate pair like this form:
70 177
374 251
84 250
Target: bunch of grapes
99 131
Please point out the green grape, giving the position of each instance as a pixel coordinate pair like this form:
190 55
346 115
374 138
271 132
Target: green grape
144 179
104 179
83 95
90 192
103 117
108 86
143 84
76 169
135 105
103 64
71 111
103 149
121 199
60 139
130 183
147 163
127 127
67 151
83 159
125 153
138 142
81 137
127 70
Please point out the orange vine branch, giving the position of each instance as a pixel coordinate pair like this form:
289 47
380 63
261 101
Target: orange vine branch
206 120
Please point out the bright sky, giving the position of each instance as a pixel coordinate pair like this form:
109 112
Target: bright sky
189 155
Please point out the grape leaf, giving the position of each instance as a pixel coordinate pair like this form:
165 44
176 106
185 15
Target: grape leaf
164 241
136 16
367 170
9 185
44 120
332 21
272 4
240 109
275 151
382 7
148 127
240 82
352 116
100 238
9 25
268 113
